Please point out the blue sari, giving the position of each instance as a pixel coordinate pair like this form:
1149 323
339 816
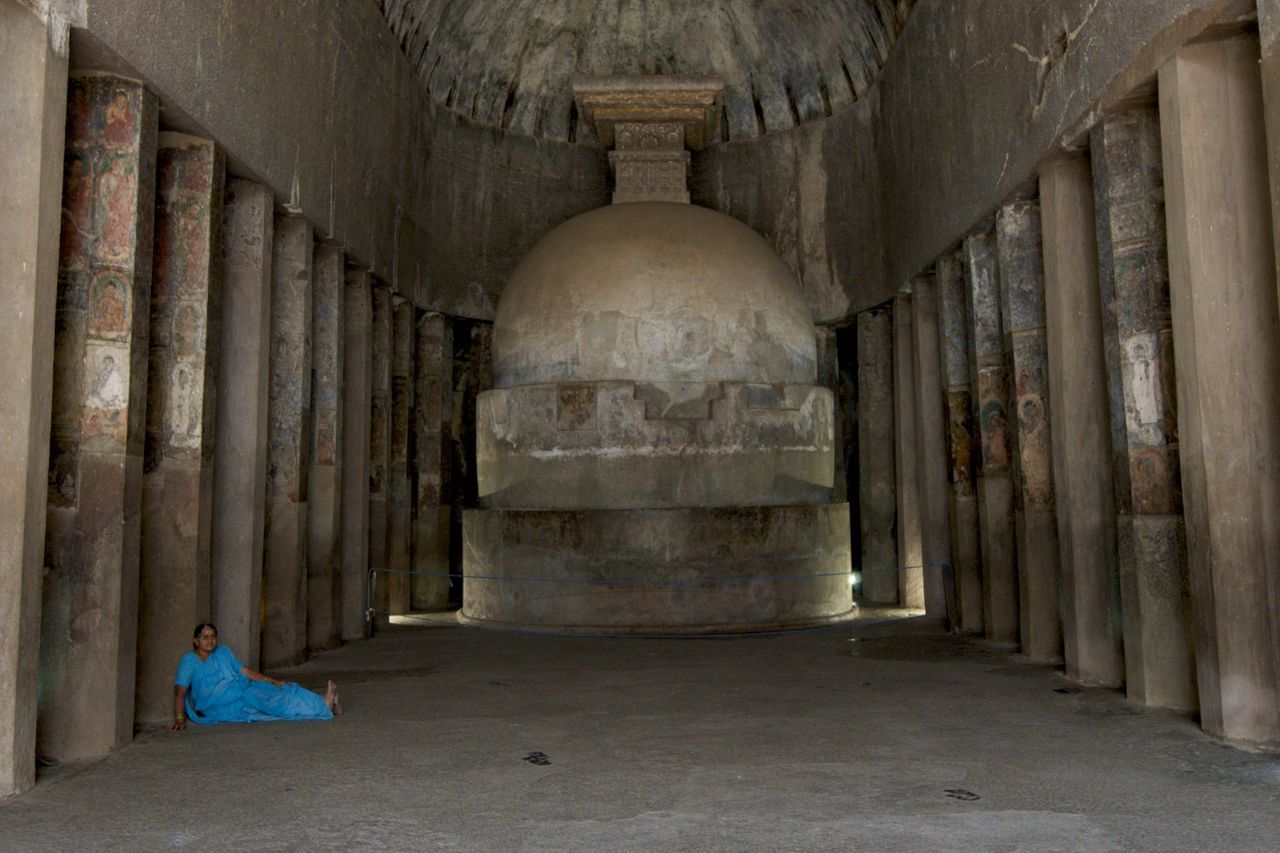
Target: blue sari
218 692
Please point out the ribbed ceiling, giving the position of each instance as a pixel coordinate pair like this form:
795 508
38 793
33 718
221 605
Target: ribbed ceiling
510 63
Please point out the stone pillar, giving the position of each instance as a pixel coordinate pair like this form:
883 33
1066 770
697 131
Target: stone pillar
957 399
989 375
399 475
177 487
284 565
1035 524
1227 342
324 481
910 549
877 477
829 377
1138 345
380 447
357 381
240 450
931 453
433 416
1092 626
32 136
89 624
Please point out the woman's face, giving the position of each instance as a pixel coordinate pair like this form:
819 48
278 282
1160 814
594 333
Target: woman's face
207 640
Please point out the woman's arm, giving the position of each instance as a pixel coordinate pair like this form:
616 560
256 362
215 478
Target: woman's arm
179 709
254 675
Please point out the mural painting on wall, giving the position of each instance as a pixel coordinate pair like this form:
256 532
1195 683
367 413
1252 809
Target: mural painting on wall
993 419
576 406
1035 455
186 414
960 440
1144 391
108 317
77 210
187 335
120 118
107 398
326 437
117 203
1156 481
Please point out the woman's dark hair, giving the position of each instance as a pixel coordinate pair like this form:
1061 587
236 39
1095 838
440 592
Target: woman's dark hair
195 635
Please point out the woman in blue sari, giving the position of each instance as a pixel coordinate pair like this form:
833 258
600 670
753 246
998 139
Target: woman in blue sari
212 686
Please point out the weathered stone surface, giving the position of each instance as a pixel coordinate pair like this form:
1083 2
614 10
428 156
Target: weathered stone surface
1090 583
831 378
877 477
931 454
399 477
957 403
989 381
434 459
788 67
357 406
688 295
1023 323
240 452
910 555
174 588
732 450
1138 337
379 445
31 170
1227 340
89 621
689 570
325 479
284 568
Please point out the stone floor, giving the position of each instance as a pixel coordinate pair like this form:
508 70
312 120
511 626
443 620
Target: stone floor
866 737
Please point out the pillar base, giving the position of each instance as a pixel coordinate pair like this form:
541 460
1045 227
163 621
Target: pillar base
658 571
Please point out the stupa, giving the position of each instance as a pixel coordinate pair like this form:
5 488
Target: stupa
655 456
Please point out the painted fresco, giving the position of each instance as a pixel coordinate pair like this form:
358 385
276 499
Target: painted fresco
185 289
960 445
993 416
1035 452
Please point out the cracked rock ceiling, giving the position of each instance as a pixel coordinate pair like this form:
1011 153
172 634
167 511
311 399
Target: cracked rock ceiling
510 63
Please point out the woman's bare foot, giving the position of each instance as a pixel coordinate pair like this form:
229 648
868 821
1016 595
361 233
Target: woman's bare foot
331 698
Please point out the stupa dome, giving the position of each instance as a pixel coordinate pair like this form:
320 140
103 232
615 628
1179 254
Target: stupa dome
657 292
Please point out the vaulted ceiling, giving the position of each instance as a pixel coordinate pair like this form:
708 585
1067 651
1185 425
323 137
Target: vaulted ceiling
510 63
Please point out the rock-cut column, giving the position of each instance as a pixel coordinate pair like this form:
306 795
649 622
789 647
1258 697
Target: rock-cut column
1226 336
1035 525
89 625
380 449
240 451
1137 325
910 550
433 451
957 398
35 96
1092 628
877 478
829 377
284 566
399 475
177 492
931 453
357 382
989 376
324 482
